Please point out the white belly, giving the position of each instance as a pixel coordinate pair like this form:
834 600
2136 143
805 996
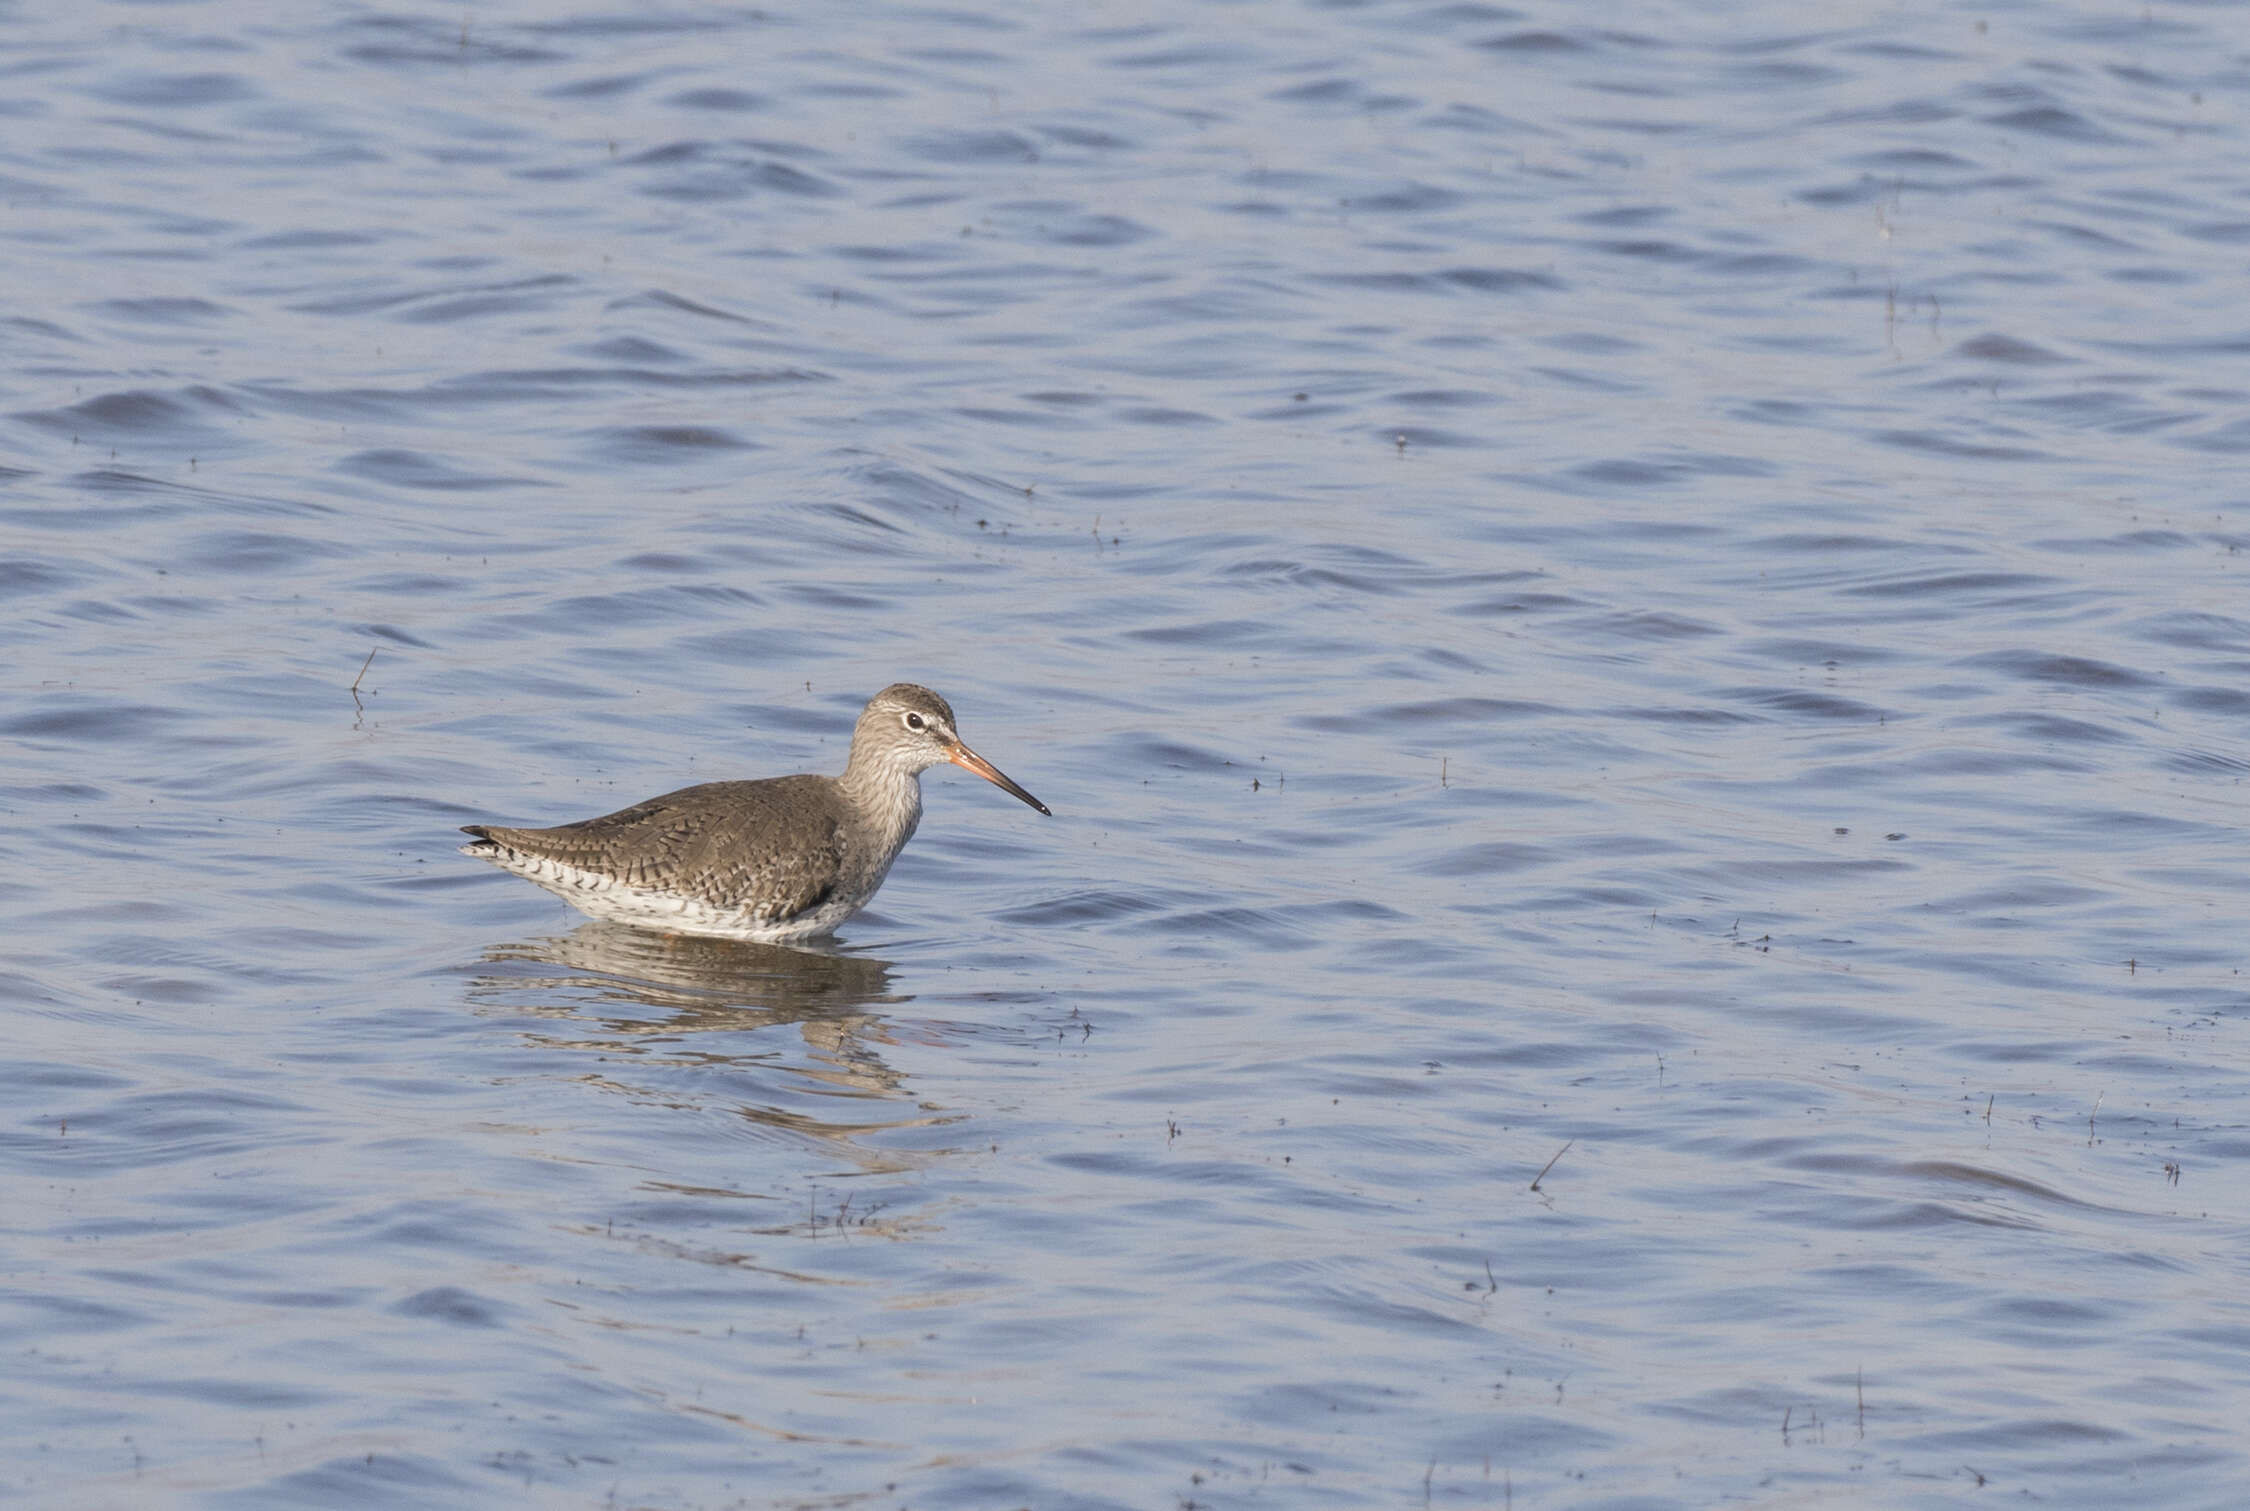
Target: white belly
599 896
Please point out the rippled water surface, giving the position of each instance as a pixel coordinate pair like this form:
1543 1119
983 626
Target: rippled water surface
1634 619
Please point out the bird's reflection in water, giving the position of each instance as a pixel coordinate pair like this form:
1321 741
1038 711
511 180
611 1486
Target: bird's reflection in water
697 1022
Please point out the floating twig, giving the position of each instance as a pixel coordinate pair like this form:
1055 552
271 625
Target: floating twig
1543 1169
363 666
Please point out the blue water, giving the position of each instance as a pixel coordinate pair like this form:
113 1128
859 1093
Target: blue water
1635 625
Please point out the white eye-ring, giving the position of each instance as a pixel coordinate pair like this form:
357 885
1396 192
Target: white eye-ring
915 721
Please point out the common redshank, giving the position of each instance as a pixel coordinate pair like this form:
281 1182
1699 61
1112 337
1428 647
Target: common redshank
783 859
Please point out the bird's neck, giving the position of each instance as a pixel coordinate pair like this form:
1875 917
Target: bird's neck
890 796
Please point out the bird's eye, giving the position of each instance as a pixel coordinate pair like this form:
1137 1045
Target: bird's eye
916 721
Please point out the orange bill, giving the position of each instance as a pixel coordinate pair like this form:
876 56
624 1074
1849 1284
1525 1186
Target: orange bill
962 756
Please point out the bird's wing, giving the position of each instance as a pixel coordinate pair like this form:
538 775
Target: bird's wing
766 851
771 847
